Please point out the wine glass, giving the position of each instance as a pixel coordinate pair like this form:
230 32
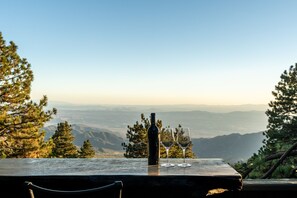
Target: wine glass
183 139
167 140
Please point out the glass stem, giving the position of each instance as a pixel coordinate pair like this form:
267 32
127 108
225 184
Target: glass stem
184 154
167 151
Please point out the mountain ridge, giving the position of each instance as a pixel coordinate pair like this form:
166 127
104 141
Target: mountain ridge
158 108
102 139
201 123
232 147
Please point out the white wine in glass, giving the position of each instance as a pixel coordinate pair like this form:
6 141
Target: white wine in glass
183 139
167 140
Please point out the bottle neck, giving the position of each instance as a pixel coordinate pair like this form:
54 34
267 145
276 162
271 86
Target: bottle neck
153 119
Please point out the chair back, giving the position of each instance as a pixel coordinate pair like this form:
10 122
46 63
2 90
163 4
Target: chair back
113 190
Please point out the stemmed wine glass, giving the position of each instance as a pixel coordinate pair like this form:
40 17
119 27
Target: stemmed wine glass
183 139
167 140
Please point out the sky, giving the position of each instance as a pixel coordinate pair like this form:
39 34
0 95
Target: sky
154 52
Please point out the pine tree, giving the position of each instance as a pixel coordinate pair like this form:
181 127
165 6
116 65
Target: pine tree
176 152
87 150
63 142
281 131
282 115
136 147
137 137
20 118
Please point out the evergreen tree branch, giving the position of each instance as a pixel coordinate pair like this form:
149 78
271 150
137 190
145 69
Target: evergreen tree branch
283 157
279 154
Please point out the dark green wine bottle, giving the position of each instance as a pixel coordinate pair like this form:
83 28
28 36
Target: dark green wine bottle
153 142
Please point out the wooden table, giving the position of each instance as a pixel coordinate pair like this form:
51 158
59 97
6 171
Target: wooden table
139 179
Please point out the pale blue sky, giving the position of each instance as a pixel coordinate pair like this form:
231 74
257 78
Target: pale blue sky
153 52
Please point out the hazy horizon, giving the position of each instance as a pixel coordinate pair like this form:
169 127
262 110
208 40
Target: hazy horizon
160 107
202 123
203 120
174 104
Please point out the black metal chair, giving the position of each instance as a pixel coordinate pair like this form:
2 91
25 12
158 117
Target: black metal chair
113 190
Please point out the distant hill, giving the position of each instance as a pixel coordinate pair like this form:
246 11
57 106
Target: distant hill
103 140
232 148
209 124
159 108
202 123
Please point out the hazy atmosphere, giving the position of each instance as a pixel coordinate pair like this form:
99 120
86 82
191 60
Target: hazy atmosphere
153 52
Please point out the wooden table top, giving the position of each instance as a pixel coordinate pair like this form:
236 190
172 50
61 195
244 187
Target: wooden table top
202 176
112 166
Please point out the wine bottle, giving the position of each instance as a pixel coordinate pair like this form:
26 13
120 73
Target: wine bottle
153 142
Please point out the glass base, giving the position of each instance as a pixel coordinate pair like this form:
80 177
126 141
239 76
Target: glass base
167 165
184 165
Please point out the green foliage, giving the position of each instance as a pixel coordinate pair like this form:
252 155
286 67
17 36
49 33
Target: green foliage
137 141
281 131
87 150
137 137
63 142
20 118
282 119
176 151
